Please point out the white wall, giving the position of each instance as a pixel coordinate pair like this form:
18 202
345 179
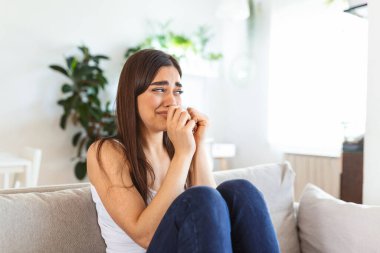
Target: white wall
371 191
242 103
34 34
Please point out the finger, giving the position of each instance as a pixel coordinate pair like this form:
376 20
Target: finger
190 125
195 128
191 111
197 116
194 114
184 117
171 113
177 114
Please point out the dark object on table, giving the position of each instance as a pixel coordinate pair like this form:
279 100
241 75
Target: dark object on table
354 146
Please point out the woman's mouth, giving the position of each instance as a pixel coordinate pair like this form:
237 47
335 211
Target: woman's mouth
163 114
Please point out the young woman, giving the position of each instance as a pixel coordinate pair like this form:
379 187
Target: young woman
153 188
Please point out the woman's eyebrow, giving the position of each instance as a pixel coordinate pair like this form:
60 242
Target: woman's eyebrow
178 84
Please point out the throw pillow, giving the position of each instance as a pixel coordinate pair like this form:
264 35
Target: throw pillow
276 182
327 224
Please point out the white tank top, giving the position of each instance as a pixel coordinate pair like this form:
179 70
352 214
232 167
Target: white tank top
116 239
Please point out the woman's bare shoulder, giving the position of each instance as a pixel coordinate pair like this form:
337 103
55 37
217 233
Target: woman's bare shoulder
109 147
108 158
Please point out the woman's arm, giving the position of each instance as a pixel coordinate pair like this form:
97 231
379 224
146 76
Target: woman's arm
201 168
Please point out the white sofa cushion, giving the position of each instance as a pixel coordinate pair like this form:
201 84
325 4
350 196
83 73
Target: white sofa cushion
327 224
275 181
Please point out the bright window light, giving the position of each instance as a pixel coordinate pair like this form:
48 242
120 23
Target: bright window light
318 77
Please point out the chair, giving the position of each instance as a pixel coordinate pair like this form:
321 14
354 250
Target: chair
7 176
34 155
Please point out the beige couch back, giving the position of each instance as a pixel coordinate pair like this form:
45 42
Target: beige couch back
64 219
49 219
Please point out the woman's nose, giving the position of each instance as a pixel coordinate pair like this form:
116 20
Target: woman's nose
170 100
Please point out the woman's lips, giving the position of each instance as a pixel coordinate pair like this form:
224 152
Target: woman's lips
163 114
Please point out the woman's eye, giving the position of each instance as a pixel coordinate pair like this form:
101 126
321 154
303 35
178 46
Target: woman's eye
162 90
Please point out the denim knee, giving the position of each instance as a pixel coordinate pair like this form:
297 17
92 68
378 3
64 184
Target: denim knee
204 199
202 220
241 187
204 196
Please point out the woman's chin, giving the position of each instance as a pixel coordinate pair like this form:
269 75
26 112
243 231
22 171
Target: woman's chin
162 127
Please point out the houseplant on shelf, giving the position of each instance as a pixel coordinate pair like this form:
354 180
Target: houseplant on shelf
81 103
179 45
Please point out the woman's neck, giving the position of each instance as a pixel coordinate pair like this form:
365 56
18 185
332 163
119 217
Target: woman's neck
153 143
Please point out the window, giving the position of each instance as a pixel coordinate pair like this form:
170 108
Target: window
317 82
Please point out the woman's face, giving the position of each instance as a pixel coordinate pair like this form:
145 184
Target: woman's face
164 91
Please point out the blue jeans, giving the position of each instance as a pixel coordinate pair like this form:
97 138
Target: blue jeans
231 218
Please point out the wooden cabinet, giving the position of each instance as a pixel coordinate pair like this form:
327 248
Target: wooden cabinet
351 186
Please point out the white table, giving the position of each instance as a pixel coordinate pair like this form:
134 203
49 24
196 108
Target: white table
11 164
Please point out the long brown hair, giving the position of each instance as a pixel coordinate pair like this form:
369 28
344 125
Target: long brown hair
137 74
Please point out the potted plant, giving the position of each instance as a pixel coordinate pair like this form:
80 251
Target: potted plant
81 104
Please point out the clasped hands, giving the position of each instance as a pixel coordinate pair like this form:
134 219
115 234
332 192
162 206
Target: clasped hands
186 128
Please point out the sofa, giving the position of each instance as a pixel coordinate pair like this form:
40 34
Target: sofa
63 218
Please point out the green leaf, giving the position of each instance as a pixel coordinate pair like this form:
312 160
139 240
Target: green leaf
147 43
84 122
73 64
67 103
69 62
63 121
214 56
61 102
180 41
132 50
82 71
94 99
74 101
80 170
162 40
66 88
84 50
102 81
83 110
99 70
101 57
87 82
76 138
107 106
59 69
96 113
